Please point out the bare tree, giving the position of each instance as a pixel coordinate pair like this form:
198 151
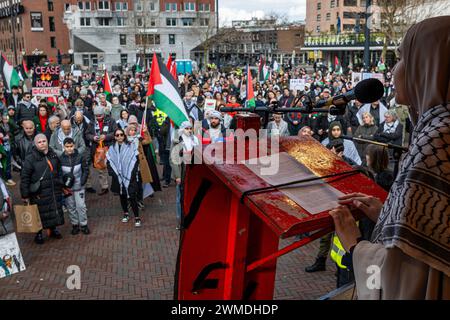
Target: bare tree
398 15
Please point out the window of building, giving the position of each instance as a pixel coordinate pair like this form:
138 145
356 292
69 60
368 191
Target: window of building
67 7
123 58
350 3
349 27
36 21
171 22
94 60
171 39
203 7
318 29
123 39
332 27
53 42
332 4
85 22
87 6
103 5
121 21
204 22
137 5
318 17
50 6
104 22
171 6
188 22
152 6
121 6
80 5
189 6
319 5
51 22
328 16
85 58
152 22
140 22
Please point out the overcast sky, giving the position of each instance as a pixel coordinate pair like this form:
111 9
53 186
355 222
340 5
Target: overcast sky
245 9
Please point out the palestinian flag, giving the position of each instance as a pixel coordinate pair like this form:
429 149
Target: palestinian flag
249 90
276 66
138 65
107 84
163 90
22 71
8 74
263 70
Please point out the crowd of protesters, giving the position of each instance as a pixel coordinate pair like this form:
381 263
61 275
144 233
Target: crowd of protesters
57 144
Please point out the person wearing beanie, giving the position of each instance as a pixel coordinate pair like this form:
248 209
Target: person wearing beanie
101 129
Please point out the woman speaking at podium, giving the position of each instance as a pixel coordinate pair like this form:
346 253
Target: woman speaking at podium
409 255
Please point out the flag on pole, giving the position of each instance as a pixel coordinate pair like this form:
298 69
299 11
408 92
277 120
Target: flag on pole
263 70
249 90
8 74
163 90
276 66
169 62
144 119
107 84
138 65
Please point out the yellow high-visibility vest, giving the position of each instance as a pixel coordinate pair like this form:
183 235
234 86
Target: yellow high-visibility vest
337 252
160 116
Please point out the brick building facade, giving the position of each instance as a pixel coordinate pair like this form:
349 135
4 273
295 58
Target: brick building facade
39 30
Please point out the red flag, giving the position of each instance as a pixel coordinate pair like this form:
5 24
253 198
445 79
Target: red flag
173 71
336 61
155 76
169 62
24 64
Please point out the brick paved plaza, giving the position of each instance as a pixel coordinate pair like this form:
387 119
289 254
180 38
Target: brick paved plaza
118 261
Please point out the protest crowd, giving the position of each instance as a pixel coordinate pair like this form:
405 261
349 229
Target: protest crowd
106 124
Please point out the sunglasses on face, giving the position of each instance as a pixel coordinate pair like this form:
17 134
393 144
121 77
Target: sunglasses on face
119 135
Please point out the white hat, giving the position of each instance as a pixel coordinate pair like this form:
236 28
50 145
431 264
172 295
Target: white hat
185 124
215 114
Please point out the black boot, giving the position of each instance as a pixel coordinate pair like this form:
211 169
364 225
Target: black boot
85 230
54 233
75 229
319 265
39 238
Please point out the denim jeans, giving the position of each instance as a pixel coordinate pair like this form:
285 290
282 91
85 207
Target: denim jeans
167 169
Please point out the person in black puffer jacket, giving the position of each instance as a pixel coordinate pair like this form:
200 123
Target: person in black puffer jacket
26 110
43 162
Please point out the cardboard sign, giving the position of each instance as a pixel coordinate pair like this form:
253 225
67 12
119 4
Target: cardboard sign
11 260
210 104
46 76
45 92
356 77
297 84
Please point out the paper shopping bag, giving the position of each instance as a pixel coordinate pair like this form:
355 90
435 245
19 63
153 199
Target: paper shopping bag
27 218
11 260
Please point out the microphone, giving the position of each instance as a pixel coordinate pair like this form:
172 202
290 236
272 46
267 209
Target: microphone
386 145
366 91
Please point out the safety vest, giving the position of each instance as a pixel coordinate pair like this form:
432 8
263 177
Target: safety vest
337 252
160 116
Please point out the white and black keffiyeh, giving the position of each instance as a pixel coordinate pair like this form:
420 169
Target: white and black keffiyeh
122 160
416 215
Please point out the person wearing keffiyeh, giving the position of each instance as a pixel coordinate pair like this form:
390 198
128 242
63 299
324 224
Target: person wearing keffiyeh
410 246
123 166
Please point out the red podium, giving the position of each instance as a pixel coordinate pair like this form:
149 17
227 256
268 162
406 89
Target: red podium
229 244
